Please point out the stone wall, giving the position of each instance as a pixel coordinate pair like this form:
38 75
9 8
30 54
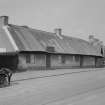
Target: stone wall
88 61
64 61
36 61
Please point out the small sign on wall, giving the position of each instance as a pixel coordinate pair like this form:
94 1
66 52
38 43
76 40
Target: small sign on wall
2 49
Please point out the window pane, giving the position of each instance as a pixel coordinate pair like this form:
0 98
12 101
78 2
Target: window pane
63 59
27 58
76 58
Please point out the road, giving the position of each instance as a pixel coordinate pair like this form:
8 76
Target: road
84 88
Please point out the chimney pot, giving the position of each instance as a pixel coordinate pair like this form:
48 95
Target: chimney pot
3 20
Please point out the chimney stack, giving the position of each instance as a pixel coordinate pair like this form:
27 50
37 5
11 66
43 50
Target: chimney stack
3 20
58 31
91 36
91 39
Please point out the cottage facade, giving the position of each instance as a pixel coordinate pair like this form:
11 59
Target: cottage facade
22 47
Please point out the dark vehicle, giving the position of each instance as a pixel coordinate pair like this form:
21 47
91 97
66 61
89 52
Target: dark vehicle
3 80
5 77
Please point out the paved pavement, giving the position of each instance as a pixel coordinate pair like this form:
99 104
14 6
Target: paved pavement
31 74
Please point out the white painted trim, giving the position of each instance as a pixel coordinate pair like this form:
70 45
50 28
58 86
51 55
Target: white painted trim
10 38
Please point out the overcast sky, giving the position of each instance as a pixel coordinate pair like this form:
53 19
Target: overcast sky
77 18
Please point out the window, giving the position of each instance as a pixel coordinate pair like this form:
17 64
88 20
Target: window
28 60
77 58
63 59
101 51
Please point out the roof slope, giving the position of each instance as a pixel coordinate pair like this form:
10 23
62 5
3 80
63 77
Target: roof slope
5 44
28 39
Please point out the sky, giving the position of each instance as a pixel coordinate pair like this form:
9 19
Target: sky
77 18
